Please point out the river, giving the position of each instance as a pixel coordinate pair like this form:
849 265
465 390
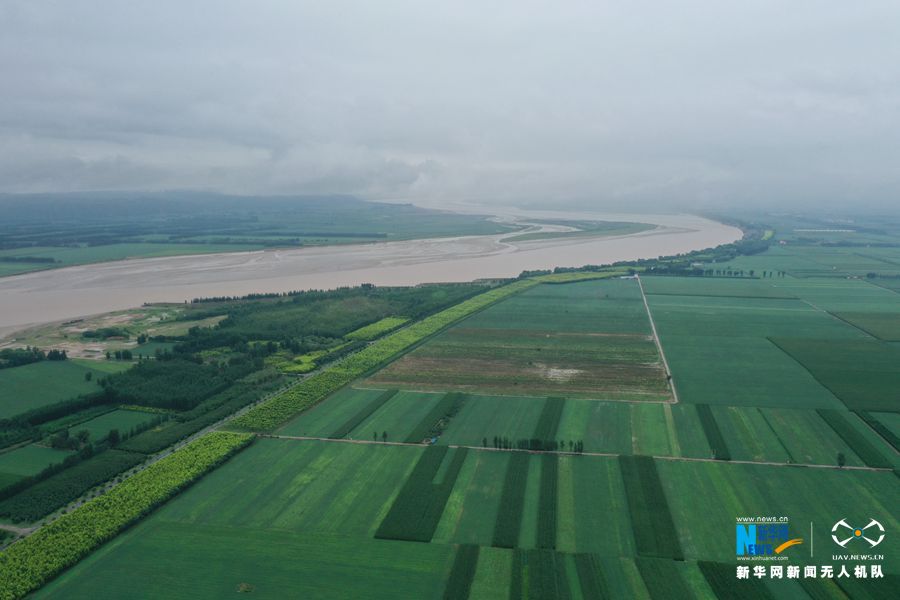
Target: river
79 291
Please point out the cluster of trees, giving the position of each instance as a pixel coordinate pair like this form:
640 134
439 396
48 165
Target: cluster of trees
17 357
314 389
28 259
120 355
28 564
178 384
64 441
538 445
104 333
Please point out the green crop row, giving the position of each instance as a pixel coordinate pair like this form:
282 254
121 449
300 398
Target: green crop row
376 329
282 407
663 579
540 574
416 511
713 434
547 501
721 578
437 419
889 436
364 413
590 576
854 438
464 564
654 530
512 502
548 423
26 565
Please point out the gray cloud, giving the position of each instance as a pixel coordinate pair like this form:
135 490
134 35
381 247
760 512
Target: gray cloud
610 103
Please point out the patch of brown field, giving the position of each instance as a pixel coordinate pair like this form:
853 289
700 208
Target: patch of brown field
509 377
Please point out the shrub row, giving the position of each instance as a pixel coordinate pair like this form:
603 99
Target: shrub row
547 502
713 434
512 502
651 519
548 422
416 511
854 438
312 390
65 486
376 329
663 579
463 572
364 413
433 424
889 436
26 565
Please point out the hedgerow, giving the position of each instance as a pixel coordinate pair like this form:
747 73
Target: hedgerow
654 530
416 511
464 564
27 564
67 485
364 413
547 502
437 419
854 438
713 434
312 390
512 502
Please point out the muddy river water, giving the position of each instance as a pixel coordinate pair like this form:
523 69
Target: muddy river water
90 289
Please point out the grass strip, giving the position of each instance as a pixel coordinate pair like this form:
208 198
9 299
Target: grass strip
547 502
663 579
512 502
654 530
713 434
26 565
364 413
463 573
417 510
724 583
854 438
275 411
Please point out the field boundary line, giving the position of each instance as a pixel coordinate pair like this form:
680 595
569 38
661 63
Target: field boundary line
662 355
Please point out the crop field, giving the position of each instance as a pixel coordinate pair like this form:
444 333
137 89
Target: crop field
42 383
579 340
720 352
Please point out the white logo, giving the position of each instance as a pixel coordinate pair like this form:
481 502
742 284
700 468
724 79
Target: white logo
856 533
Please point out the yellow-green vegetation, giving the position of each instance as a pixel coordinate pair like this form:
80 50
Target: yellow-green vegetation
295 365
377 329
28 564
580 276
279 409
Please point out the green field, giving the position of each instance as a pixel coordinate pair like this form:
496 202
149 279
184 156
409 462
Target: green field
579 340
122 420
46 382
27 461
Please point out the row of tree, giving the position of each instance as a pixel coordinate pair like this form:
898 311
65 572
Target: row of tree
505 443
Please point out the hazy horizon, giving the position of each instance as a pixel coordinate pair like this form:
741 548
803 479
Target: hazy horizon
695 106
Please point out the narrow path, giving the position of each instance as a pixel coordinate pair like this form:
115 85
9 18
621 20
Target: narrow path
662 354
17 530
307 438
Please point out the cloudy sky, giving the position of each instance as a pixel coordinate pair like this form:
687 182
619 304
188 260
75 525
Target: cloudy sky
607 103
